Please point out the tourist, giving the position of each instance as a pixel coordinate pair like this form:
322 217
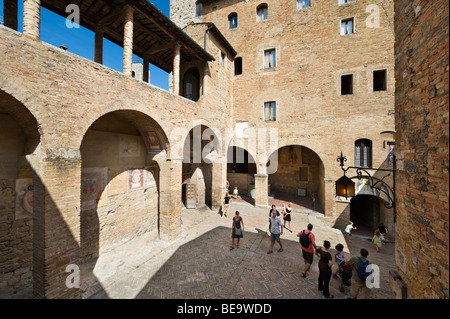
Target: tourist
235 192
325 264
237 230
359 275
339 256
348 230
308 245
274 208
287 216
275 231
226 204
377 240
383 231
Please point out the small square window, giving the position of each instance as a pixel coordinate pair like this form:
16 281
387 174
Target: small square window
301 4
348 26
233 20
270 111
347 84
379 80
270 59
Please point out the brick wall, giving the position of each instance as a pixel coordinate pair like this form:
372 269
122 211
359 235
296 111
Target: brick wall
55 97
311 57
421 50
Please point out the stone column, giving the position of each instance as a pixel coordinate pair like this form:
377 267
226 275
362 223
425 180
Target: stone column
146 69
176 69
32 18
170 199
98 45
219 179
10 13
128 41
261 190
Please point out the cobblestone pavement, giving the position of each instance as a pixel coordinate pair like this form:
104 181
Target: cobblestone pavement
200 265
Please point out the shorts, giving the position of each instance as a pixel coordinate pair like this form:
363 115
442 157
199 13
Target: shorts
348 234
274 237
308 257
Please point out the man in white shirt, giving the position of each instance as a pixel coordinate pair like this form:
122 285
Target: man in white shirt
275 232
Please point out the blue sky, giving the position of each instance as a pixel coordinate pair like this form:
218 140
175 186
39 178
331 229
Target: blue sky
81 41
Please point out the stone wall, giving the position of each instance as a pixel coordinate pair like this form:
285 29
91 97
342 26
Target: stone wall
422 69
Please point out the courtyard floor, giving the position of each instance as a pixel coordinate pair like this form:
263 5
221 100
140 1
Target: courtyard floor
199 265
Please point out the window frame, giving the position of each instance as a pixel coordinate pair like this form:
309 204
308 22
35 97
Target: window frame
272 106
232 17
352 19
260 9
301 4
384 80
272 59
238 66
364 144
352 84
199 9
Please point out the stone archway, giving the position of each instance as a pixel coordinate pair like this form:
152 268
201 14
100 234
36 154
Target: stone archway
19 137
121 154
241 170
299 178
200 147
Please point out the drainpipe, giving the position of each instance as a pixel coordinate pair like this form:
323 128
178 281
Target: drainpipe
206 31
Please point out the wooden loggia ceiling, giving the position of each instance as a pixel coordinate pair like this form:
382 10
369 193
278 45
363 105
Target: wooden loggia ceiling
154 36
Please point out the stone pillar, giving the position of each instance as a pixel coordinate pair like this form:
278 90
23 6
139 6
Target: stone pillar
176 70
146 69
219 178
56 225
128 41
32 18
261 190
10 13
170 200
98 45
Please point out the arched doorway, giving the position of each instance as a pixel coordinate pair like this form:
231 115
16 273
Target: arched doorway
365 213
19 136
197 175
120 180
191 84
299 179
241 170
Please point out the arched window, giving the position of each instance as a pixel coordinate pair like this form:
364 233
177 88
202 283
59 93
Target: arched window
262 12
233 20
191 84
199 9
363 153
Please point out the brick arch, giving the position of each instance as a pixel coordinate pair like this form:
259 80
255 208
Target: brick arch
21 111
90 116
